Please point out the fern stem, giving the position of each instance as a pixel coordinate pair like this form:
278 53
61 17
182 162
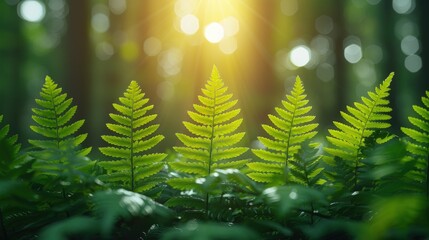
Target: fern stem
361 142
288 142
3 227
132 144
211 147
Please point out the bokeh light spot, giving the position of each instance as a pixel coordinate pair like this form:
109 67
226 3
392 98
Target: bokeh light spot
374 53
185 7
324 24
413 63
289 7
32 10
409 45
214 32
325 72
403 6
353 53
165 90
152 46
300 56
230 25
228 45
189 24
104 51
129 51
100 22
117 6
170 62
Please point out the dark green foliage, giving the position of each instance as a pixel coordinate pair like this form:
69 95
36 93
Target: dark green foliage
306 168
293 126
418 144
360 121
112 206
131 165
211 145
194 230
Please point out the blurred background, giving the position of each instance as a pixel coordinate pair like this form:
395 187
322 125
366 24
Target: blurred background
94 48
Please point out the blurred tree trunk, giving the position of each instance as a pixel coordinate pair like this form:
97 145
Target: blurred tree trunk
78 80
340 72
12 87
423 8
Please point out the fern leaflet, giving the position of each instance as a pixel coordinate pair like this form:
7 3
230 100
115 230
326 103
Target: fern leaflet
290 129
210 146
130 163
419 142
348 140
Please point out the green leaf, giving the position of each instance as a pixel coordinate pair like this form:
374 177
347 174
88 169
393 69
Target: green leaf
289 130
129 161
212 139
348 140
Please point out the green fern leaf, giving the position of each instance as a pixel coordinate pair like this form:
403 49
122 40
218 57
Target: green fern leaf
418 145
54 122
130 165
360 121
211 145
290 129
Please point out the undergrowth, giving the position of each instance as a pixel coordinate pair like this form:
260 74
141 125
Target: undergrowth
363 182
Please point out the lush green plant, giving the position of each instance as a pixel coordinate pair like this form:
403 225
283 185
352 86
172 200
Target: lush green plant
131 168
211 147
291 129
360 191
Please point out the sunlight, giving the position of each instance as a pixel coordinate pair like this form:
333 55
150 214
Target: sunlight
300 56
189 24
214 32
32 11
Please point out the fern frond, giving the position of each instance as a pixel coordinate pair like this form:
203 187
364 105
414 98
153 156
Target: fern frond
418 145
360 121
211 143
306 168
9 159
130 164
53 118
290 129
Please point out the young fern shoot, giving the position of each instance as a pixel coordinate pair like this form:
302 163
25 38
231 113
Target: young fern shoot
131 166
290 129
419 141
360 121
211 144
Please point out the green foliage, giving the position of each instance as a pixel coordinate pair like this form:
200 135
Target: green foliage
348 140
194 230
53 123
131 164
51 191
112 206
418 144
211 145
293 126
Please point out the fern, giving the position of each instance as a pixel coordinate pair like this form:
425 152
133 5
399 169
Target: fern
131 165
419 140
348 140
211 145
53 123
289 131
306 168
